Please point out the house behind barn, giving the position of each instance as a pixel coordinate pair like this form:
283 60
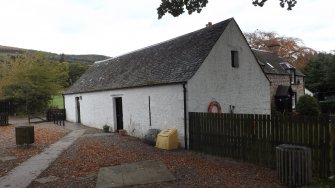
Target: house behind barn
287 82
156 87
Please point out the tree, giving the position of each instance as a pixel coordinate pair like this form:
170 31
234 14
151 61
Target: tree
289 48
308 106
62 58
177 7
320 73
31 80
290 3
75 71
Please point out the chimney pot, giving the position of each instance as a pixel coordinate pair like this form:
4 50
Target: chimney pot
209 24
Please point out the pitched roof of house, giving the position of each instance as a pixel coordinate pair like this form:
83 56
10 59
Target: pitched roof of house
270 63
172 61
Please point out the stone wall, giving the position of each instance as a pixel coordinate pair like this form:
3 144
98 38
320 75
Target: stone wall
276 80
299 87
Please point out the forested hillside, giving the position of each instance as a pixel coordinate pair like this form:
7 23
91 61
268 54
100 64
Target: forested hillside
9 52
30 78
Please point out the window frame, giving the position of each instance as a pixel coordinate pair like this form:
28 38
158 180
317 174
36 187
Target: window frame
234 55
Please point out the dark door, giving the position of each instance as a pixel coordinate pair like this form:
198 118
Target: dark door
78 109
119 115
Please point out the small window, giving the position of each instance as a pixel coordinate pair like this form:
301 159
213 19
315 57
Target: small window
286 66
234 59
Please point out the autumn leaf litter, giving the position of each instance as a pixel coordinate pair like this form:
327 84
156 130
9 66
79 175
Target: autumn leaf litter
78 166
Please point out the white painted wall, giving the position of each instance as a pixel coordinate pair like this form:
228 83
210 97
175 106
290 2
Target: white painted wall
308 92
167 109
245 87
96 109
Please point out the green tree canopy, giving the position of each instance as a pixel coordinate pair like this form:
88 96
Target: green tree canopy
31 80
308 106
75 71
320 73
177 7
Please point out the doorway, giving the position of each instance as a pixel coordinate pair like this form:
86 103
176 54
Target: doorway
78 109
119 113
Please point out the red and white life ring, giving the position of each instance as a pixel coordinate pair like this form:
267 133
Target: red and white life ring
214 104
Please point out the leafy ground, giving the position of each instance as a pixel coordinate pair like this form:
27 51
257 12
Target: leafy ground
79 165
45 134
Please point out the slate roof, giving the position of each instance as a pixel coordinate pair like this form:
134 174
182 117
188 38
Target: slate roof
172 61
265 57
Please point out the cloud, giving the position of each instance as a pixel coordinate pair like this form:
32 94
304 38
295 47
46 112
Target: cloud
113 27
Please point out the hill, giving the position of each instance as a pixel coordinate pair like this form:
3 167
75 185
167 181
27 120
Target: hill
7 52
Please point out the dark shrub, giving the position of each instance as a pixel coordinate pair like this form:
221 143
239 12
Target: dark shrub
308 106
328 107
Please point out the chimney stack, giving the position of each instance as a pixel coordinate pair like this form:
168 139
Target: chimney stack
274 47
209 24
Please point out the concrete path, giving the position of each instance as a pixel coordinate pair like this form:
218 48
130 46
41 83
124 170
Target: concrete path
74 126
23 175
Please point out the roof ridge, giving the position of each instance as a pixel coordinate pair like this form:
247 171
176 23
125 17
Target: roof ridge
172 39
172 61
101 61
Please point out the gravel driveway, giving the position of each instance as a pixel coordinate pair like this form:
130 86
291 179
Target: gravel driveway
78 166
45 134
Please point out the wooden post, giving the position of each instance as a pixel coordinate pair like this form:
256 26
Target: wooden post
332 145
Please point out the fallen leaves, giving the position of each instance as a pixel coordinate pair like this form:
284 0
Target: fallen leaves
6 135
45 134
89 154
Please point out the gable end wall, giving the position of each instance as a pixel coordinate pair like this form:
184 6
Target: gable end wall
246 87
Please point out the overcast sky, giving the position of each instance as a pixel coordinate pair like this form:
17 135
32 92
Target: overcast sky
115 27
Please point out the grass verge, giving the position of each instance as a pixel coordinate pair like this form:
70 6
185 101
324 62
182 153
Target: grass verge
57 102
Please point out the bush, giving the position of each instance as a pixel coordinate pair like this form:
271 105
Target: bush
308 106
328 107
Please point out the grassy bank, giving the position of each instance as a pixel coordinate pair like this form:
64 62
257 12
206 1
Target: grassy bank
57 102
